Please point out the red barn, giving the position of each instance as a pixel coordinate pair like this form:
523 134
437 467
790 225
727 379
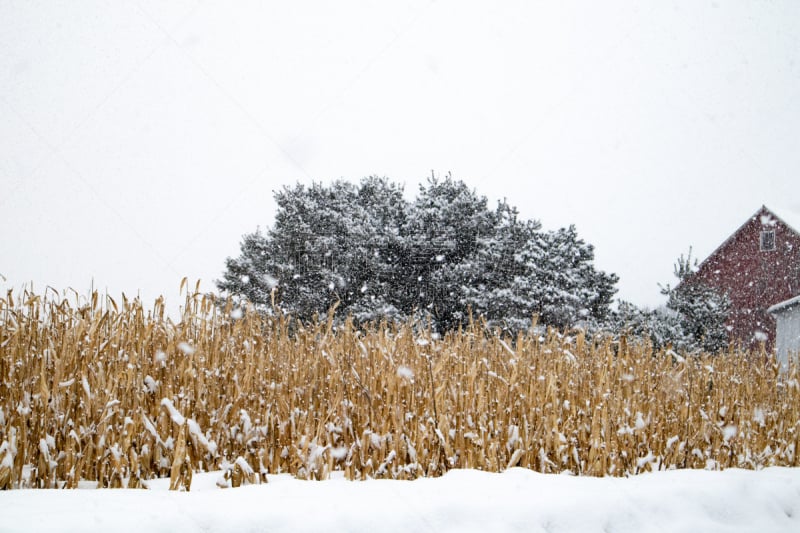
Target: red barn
758 266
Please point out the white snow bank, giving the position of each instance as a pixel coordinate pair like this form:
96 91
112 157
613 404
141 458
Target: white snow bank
463 501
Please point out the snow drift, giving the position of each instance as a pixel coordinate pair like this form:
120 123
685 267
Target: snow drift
462 500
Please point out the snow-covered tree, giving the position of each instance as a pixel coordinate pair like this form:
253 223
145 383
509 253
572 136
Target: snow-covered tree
447 225
572 290
328 244
662 326
702 309
501 284
438 256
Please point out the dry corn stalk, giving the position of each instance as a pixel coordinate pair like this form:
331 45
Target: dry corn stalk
6 465
121 394
241 473
181 471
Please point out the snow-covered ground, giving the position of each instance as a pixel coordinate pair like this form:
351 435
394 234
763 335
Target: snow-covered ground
463 501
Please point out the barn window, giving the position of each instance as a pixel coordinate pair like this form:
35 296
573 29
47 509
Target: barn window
767 240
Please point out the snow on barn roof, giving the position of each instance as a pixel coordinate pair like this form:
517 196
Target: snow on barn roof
777 308
790 217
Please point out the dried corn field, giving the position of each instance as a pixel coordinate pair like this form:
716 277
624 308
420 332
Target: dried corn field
115 393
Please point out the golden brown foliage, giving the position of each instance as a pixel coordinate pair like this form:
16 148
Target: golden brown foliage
93 390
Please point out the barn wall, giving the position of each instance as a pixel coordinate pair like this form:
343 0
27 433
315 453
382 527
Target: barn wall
787 341
754 279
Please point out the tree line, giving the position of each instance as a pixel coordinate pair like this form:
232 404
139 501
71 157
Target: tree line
447 253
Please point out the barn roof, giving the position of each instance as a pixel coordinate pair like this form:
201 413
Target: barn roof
791 302
792 221
790 217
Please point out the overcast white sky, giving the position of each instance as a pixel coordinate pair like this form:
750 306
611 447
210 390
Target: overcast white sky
139 140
